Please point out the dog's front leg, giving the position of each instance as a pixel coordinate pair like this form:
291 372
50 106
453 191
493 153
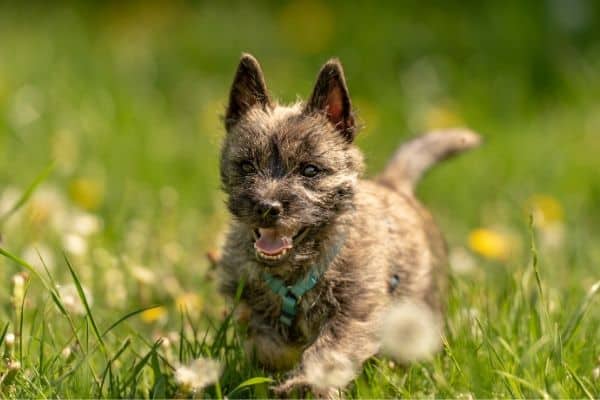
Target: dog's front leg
334 358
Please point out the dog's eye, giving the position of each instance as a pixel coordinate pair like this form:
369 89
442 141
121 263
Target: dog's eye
310 171
247 167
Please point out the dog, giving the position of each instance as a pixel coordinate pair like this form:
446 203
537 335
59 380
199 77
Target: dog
315 253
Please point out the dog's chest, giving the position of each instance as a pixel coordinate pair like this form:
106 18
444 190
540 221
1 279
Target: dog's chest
266 311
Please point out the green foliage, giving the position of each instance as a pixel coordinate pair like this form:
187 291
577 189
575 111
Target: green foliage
109 139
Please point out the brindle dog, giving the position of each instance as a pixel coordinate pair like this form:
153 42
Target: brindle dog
300 209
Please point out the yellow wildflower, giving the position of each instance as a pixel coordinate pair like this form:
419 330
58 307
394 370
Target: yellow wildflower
153 314
546 210
189 302
490 244
87 193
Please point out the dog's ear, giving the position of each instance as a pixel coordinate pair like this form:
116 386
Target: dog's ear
330 96
248 90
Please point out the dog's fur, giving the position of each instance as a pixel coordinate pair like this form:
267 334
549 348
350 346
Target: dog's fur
361 234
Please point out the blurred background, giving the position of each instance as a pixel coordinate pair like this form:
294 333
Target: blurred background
125 99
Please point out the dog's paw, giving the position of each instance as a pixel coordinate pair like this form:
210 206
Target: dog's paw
295 386
298 387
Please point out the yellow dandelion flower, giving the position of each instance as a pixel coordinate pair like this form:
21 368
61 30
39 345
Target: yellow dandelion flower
87 193
153 314
490 244
546 210
189 302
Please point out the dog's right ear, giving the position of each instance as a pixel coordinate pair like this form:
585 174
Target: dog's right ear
248 90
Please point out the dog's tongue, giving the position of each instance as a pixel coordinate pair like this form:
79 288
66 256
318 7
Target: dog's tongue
271 242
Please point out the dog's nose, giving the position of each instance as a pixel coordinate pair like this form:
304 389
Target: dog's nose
269 210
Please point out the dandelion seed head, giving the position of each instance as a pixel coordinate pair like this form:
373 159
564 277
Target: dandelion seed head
199 374
9 340
143 275
66 352
85 224
331 370
596 373
75 244
461 261
18 281
36 253
18 289
410 332
14 365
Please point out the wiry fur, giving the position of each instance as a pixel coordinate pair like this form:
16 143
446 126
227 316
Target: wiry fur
360 234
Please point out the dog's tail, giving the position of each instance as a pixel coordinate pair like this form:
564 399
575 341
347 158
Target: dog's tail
414 158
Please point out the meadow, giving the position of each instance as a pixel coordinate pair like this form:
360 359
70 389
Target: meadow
109 189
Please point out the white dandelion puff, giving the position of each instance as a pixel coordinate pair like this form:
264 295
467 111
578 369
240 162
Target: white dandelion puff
9 340
66 352
37 255
13 365
71 300
85 224
461 261
199 374
75 244
143 275
18 290
332 370
596 373
410 332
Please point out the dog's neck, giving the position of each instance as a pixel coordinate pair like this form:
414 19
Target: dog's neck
333 237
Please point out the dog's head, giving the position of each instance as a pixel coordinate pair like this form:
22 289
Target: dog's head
288 171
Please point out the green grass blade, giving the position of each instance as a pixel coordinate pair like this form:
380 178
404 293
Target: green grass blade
33 271
85 303
141 364
28 192
126 317
250 382
3 335
579 382
110 362
575 320
25 265
523 382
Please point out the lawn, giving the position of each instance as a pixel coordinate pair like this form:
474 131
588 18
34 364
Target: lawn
109 190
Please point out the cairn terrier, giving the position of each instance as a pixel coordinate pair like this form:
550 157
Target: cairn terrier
318 252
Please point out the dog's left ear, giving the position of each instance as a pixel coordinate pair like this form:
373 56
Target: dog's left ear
330 96
248 90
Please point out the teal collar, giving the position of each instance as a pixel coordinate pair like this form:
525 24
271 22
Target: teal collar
291 295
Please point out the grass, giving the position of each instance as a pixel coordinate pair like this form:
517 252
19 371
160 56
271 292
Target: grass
109 192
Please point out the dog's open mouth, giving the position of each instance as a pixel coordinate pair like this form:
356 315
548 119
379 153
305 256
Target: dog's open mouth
273 245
